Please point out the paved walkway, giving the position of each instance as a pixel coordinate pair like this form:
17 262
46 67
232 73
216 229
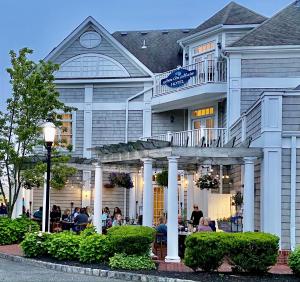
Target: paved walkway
19 272
163 266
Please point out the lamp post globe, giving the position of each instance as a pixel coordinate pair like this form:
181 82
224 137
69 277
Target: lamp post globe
49 131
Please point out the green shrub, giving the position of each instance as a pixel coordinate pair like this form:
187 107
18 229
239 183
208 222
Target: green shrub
205 250
64 246
35 244
13 231
294 261
253 252
131 240
91 230
132 262
94 248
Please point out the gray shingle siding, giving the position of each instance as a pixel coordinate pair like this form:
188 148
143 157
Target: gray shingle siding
291 113
71 95
114 94
253 121
298 199
135 125
257 195
285 198
279 67
236 131
222 114
105 48
161 122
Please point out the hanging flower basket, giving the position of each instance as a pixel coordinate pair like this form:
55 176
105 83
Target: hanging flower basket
108 185
121 179
162 178
207 181
237 199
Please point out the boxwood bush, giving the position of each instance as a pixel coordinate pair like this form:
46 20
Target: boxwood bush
253 252
35 244
94 248
294 261
131 240
13 231
131 262
64 246
206 250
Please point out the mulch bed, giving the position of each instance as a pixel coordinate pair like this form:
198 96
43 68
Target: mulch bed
195 276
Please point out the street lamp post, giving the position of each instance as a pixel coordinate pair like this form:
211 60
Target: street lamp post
49 135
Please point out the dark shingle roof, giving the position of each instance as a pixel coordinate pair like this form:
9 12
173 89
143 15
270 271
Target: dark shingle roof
162 53
282 29
231 14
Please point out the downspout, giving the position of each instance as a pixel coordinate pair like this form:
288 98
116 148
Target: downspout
127 109
226 57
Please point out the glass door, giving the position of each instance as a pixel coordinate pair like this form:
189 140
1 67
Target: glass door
202 128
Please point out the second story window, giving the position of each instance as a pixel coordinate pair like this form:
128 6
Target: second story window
204 48
203 112
64 133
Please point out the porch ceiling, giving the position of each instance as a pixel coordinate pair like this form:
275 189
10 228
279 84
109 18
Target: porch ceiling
189 157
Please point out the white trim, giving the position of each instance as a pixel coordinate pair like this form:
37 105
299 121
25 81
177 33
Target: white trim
272 82
74 124
109 106
249 49
108 36
293 191
100 80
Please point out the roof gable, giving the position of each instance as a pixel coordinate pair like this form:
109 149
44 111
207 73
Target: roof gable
231 14
281 29
71 47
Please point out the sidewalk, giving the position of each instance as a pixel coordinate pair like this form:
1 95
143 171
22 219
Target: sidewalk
163 266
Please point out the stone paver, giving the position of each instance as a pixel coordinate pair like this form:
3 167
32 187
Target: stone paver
19 272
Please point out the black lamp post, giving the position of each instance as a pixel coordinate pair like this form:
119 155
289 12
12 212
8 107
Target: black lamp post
49 135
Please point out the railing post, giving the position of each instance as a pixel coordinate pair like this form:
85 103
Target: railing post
169 136
205 71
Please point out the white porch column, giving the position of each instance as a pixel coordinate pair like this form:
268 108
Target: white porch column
190 195
97 219
18 208
148 194
248 221
172 235
86 189
132 197
44 205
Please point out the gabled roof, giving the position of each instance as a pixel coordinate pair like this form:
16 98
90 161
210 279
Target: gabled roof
281 29
161 52
231 14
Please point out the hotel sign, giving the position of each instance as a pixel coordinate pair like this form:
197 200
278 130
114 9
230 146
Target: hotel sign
178 78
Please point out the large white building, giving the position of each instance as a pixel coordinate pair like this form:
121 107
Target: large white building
237 86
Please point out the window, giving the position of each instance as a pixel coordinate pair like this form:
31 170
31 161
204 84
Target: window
90 39
203 112
64 133
203 48
158 204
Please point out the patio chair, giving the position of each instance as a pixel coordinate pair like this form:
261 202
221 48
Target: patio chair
160 245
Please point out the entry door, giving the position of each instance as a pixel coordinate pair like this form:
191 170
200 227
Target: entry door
158 204
203 125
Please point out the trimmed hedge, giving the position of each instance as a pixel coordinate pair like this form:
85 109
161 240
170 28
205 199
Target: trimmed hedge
132 262
206 250
94 248
35 244
294 261
131 240
14 231
64 246
251 252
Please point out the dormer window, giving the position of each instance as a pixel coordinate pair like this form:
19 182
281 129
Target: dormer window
204 48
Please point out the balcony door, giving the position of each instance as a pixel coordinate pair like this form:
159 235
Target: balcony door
202 128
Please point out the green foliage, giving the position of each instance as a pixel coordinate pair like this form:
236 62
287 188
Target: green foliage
34 98
121 179
13 231
294 261
161 178
132 262
35 244
64 246
251 252
94 249
207 181
131 240
90 230
206 250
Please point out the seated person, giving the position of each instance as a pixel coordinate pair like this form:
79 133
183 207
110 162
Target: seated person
204 225
38 215
66 219
181 223
212 224
162 228
81 220
118 220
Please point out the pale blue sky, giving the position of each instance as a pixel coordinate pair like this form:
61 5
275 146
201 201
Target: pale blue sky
43 24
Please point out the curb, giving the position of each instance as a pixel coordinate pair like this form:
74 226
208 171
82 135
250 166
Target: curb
125 276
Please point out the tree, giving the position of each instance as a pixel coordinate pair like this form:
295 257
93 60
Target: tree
34 99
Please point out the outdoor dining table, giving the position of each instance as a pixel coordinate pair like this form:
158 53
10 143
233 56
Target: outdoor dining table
181 242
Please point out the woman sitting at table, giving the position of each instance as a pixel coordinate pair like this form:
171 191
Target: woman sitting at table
162 228
204 225
118 220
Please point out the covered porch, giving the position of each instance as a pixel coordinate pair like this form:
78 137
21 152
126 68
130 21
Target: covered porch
157 154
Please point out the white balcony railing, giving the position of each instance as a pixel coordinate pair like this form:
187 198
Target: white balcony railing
207 71
204 137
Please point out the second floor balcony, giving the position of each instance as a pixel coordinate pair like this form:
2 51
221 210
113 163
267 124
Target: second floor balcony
204 72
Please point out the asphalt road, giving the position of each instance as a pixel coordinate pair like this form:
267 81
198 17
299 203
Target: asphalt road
11 271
